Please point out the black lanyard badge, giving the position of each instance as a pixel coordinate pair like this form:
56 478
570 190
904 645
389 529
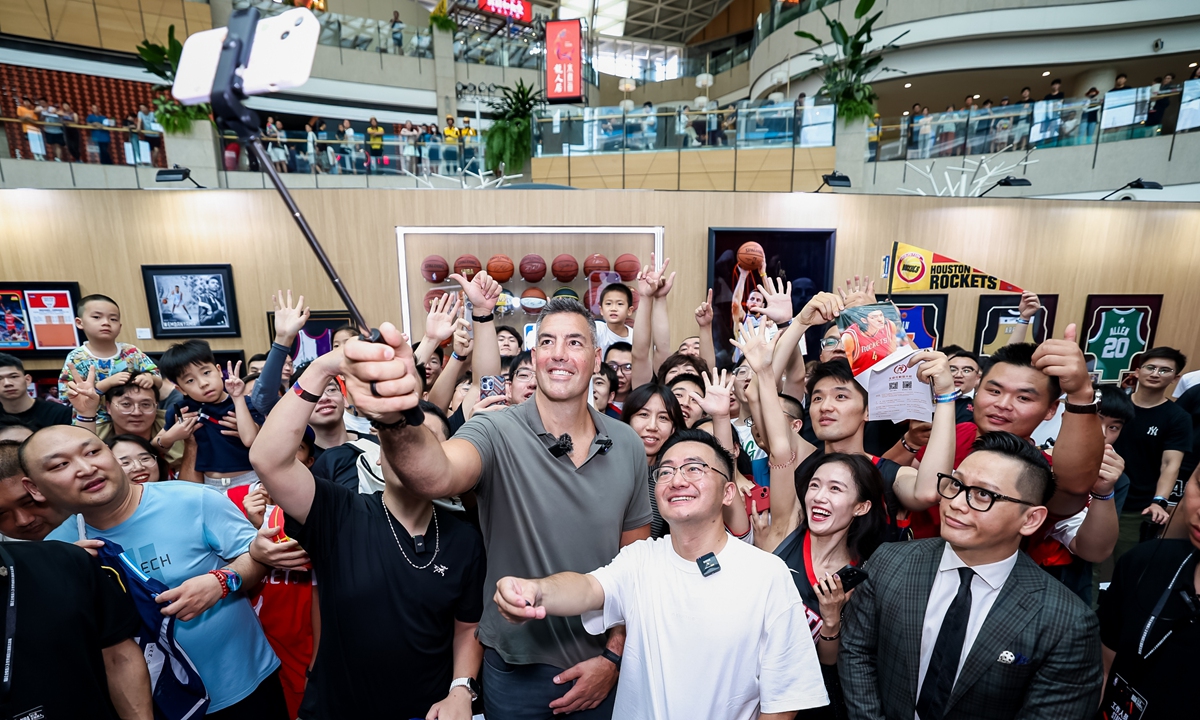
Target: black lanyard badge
8 580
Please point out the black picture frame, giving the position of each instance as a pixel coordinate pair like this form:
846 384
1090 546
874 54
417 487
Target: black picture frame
15 298
221 356
1098 313
931 311
319 322
802 256
215 307
995 310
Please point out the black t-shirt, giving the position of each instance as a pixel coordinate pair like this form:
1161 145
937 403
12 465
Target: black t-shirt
42 414
1165 677
964 410
1143 440
1189 402
879 436
67 612
387 628
215 452
1054 96
339 465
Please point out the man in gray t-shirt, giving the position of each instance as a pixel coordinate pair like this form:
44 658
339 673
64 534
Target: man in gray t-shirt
560 486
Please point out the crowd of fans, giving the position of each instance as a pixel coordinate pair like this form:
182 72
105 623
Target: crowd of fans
578 526
57 132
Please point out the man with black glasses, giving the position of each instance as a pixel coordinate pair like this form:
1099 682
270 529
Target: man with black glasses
967 626
619 357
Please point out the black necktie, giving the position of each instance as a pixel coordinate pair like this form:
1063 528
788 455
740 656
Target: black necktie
943 664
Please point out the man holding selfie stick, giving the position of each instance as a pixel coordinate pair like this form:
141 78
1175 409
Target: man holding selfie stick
688 599
561 488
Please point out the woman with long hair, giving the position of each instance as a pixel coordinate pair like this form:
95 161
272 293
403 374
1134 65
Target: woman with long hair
654 414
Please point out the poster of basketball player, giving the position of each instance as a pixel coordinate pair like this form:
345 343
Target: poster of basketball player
923 318
37 319
191 300
14 323
316 337
870 333
738 261
1118 329
998 316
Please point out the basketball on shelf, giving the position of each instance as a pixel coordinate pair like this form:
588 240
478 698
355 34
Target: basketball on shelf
500 267
435 269
627 266
564 268
467 266
595 263
533 268
750 256
433 294
566 292
533 300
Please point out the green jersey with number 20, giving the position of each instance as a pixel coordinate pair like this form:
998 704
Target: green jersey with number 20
1117 340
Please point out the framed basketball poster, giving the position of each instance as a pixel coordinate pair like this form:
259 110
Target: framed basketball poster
37 319
188 301
923 318
997 319
1118 329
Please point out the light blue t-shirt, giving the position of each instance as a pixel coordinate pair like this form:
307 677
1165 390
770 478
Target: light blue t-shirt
181 530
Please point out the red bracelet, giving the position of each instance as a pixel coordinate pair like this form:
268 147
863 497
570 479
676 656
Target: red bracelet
220 576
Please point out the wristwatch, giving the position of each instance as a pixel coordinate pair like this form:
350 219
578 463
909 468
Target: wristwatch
469 683
1091 408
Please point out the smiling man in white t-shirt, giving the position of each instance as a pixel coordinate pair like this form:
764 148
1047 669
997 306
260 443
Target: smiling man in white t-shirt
711 623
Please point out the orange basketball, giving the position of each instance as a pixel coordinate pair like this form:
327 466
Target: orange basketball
595 263
500 267
533 300
433 294
533 268
750 256
467 266
591 300
565 268
627 266
435 269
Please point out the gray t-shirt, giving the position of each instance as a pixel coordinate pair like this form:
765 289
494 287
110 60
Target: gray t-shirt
541 515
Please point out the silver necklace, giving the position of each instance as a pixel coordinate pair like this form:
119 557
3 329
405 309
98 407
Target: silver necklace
436 536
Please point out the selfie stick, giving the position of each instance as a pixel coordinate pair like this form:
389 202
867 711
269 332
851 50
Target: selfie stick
232 115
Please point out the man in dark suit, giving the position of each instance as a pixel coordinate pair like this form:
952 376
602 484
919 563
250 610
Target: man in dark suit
967 626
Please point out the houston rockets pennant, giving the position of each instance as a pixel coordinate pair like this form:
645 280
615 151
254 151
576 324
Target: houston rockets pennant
913 269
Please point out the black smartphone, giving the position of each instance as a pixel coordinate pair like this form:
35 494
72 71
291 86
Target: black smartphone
851 577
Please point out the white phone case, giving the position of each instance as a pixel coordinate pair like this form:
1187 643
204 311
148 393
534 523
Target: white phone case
282 57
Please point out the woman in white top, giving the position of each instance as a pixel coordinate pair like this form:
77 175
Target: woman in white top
409 136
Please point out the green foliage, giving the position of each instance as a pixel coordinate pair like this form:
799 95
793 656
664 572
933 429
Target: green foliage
442 22
846 71
510 138
162 61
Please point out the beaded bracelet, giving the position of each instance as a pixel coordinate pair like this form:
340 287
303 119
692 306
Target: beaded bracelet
947 397
220 576
781 466
1109 496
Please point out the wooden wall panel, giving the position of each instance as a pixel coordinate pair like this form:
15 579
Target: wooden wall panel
100 238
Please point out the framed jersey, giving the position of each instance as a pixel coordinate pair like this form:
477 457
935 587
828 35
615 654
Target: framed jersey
316 337
997 319
923 318
1119 328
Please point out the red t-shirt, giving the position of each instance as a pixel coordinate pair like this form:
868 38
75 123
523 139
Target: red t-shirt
284 604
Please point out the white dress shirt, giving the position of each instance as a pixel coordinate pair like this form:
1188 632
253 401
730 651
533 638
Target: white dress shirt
985 588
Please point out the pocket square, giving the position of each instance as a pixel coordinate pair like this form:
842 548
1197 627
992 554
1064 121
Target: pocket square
1011 658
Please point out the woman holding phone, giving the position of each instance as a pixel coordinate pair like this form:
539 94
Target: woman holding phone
654 414
827 513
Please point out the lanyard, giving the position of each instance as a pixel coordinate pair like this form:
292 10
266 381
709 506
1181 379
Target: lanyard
8 571
1158 608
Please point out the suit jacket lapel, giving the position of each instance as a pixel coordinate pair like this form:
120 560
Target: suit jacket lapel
916 598
1011 612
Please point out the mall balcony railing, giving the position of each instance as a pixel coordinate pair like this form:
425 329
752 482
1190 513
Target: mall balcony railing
779 14
91 144
350 32
395 156
1121 115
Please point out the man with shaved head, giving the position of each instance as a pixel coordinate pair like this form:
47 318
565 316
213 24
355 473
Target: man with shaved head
185 535
22 517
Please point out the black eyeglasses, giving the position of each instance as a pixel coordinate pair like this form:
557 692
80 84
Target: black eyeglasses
621 368
978 498
692 471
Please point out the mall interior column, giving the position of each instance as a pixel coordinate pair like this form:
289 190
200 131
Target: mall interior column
443 73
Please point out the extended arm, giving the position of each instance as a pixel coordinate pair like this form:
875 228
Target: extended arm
704 319
643 330
439 324
128 681
565 595
1097 536
1029 308
917 489
247 428
660 323
1080 446
289 319
455 368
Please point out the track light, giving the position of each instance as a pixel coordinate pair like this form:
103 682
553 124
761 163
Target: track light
1138 184
1010 181
834 179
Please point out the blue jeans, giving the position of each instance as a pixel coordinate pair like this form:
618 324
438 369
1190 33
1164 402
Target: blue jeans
524 692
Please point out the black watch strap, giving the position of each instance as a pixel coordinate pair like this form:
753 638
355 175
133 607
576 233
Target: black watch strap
612 657
411 417
484 318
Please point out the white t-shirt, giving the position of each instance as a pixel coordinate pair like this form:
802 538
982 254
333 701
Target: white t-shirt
1185 383
607 337
728 645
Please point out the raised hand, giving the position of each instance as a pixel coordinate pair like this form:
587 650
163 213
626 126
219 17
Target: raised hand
519 600
443 313
831 597
289 318
704 313
234 385
666 282
482 291
381 377
650 279
718 389
1111 468
860 291
934 370
463 342
183 428
1029 305
1064 360
823 308
82 393
778 297
144 380
755 346
112 381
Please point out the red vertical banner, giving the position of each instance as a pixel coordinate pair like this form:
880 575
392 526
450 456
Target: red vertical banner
564 60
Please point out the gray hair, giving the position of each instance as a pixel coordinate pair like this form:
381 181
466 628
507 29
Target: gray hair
560 305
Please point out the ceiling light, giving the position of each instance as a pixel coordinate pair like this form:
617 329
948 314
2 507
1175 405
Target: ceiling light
904 113
908 85
1192 65
976 96
1046 74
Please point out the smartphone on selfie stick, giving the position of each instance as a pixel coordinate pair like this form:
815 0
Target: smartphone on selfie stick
224 66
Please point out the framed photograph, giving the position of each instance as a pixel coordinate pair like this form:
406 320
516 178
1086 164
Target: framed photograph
739 258
997 318
316 337
191 301
1119 328
923 318
37 319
